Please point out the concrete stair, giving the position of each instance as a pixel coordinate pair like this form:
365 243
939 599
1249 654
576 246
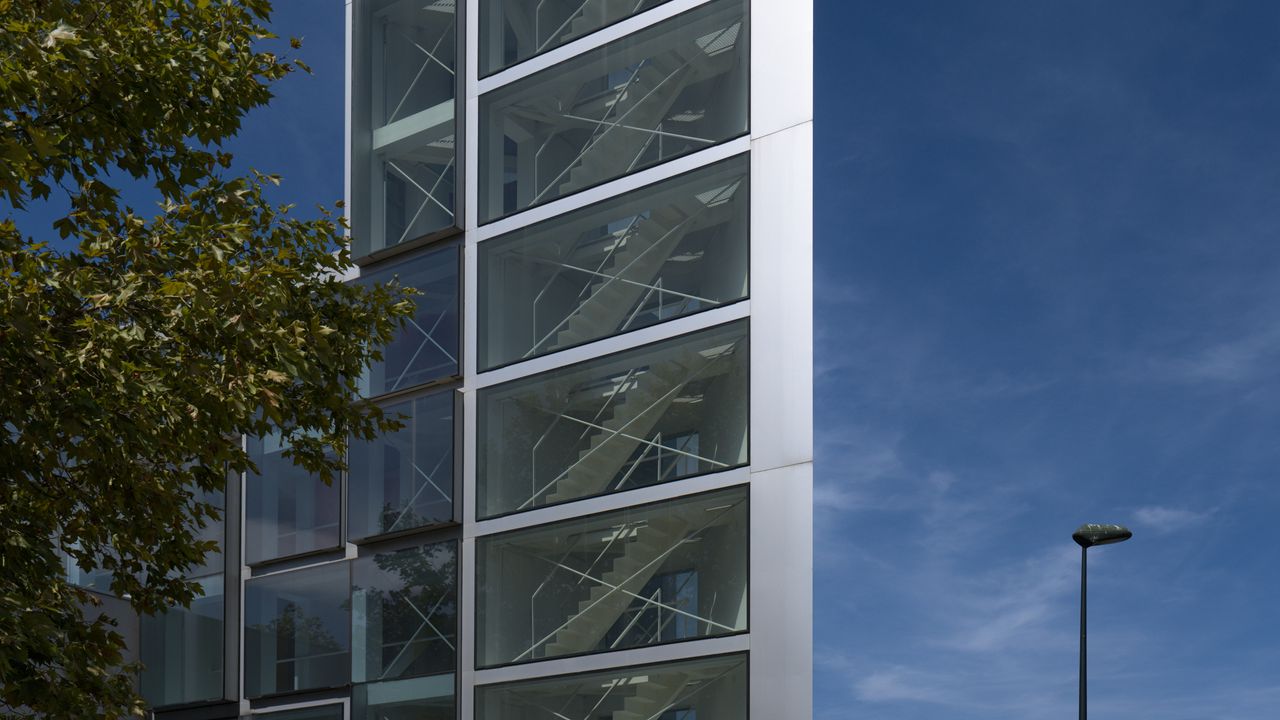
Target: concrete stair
641 558
640 407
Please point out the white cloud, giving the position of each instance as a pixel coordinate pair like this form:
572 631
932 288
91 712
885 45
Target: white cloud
1166 520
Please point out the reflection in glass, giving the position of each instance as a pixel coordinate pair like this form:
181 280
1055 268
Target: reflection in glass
426 347
319 712
405 611
677 87
514 31
657 253
181 650
412 87
705 689
642 417
297 630
404 479
426 698
643 576
288 511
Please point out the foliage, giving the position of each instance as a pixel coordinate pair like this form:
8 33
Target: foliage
134 362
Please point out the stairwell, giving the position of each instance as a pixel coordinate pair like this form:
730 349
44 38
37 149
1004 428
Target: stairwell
641 558
633 416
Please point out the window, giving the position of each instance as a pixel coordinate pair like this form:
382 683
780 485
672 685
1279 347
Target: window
410 87
514 31
318 712
669 571
672 89
426 698
661 252
426 349
297 629
405 613
708 688
642 417
181 649
288 511
404 479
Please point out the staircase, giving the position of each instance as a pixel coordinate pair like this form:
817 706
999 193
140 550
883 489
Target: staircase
644 104
638 257
641 558
654 697
638 410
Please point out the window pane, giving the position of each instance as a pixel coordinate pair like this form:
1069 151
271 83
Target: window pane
297 630
512 30
651 255
405 607
321 712
412 85
426 347
646 416
288 511
643 576
213 530
428 698
182 650
404 479
677 87
710 689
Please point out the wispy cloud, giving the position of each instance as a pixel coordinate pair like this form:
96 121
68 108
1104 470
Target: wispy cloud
1166 520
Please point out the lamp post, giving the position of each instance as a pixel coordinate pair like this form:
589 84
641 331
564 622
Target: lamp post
1086 536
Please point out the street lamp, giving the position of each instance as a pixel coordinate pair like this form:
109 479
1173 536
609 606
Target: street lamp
1086 536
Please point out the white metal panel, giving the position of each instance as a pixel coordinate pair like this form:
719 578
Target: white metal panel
781 613
610 189
586 43
613 501
621 658
782 298
615 344
781 64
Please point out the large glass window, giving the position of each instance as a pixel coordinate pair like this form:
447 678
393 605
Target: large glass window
404 479
426 698
405 613
317 712
515 30
297 630
672 89
181 650
412 85
659 573
288 511
645 416
666 250
705 689
426 348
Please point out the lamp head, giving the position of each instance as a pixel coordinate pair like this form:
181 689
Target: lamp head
1091 534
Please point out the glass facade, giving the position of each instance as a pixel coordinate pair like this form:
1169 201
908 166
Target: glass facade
666 91
297 630
426 349
410 84
512 31
182 649
288 511
404 479
570 492
646 416
425 698
647 575
710 689
405 613
666 250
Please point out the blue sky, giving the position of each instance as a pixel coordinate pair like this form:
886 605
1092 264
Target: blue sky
1048 292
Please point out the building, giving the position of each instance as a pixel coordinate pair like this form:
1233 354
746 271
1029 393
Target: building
600 506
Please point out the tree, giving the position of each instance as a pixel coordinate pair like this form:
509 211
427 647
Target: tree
134 362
